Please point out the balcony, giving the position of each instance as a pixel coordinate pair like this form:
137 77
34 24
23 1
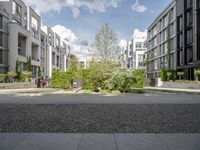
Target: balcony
17 17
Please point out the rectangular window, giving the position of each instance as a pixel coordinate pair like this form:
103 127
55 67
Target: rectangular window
1 39
188 3
16 8
1 55
198 48
189 18
189 55
198 4
189 36
180 24
1 22
34 23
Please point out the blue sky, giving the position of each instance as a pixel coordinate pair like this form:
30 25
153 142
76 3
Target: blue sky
79 20
122 19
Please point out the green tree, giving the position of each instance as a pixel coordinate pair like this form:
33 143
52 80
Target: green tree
29 67
106 43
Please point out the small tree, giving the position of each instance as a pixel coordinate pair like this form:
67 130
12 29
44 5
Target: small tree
169 74
180 75
17 69
197 73
29 67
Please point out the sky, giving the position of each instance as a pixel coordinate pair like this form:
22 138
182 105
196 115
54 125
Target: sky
78 21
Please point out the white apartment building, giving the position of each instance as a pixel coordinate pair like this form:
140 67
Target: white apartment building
135 51
21 37
57 52
161 42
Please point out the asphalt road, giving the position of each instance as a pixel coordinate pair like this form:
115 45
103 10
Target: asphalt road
151 113
153 98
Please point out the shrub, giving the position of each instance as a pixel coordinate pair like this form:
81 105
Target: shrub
139 76
86 77
61 79
122 81
167 75
180 75
2 78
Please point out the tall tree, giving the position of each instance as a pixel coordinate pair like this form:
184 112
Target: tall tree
106 44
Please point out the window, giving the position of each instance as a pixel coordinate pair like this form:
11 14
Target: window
180 24
34 23
189 18
198 48
189 55
138 45
1 55
1 22
188 3
189 36
198 4
1 39
16 8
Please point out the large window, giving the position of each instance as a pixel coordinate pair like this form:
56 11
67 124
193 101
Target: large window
1 55
34 23
189 55
180 24
189 36
16 8
198 48
198 3
189 18
188 3
1 39
1 22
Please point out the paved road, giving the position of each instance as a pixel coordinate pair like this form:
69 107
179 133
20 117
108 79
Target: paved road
153 98
48 141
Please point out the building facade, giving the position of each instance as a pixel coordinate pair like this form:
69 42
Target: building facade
161 42
135 50
21 38
188 41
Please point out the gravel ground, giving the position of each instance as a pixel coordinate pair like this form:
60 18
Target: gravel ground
100 118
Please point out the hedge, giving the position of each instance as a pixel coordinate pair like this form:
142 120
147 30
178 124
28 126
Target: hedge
61 79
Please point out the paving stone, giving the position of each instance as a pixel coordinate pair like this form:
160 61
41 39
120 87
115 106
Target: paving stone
97 142
49 141
140 142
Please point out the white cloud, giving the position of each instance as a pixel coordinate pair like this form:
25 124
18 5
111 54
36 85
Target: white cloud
138 7
138 34
78 47
74 5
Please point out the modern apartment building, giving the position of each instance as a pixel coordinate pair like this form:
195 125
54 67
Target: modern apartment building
21 37
4 18
188 37
135 51
57 52
161 42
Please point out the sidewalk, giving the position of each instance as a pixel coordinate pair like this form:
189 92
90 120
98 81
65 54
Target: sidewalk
60 141
173 89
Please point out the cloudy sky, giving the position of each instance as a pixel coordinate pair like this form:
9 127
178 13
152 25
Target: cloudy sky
79 20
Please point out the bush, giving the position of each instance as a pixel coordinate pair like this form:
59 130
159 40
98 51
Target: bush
167 75
2 78
86 77
139 76
122 81
61 79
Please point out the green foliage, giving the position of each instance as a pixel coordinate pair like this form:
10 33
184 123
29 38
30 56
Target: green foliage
86 77
166 75
29 67
2 78
122 81
139 76
180 75
17 69
22 77
61 79
197 73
